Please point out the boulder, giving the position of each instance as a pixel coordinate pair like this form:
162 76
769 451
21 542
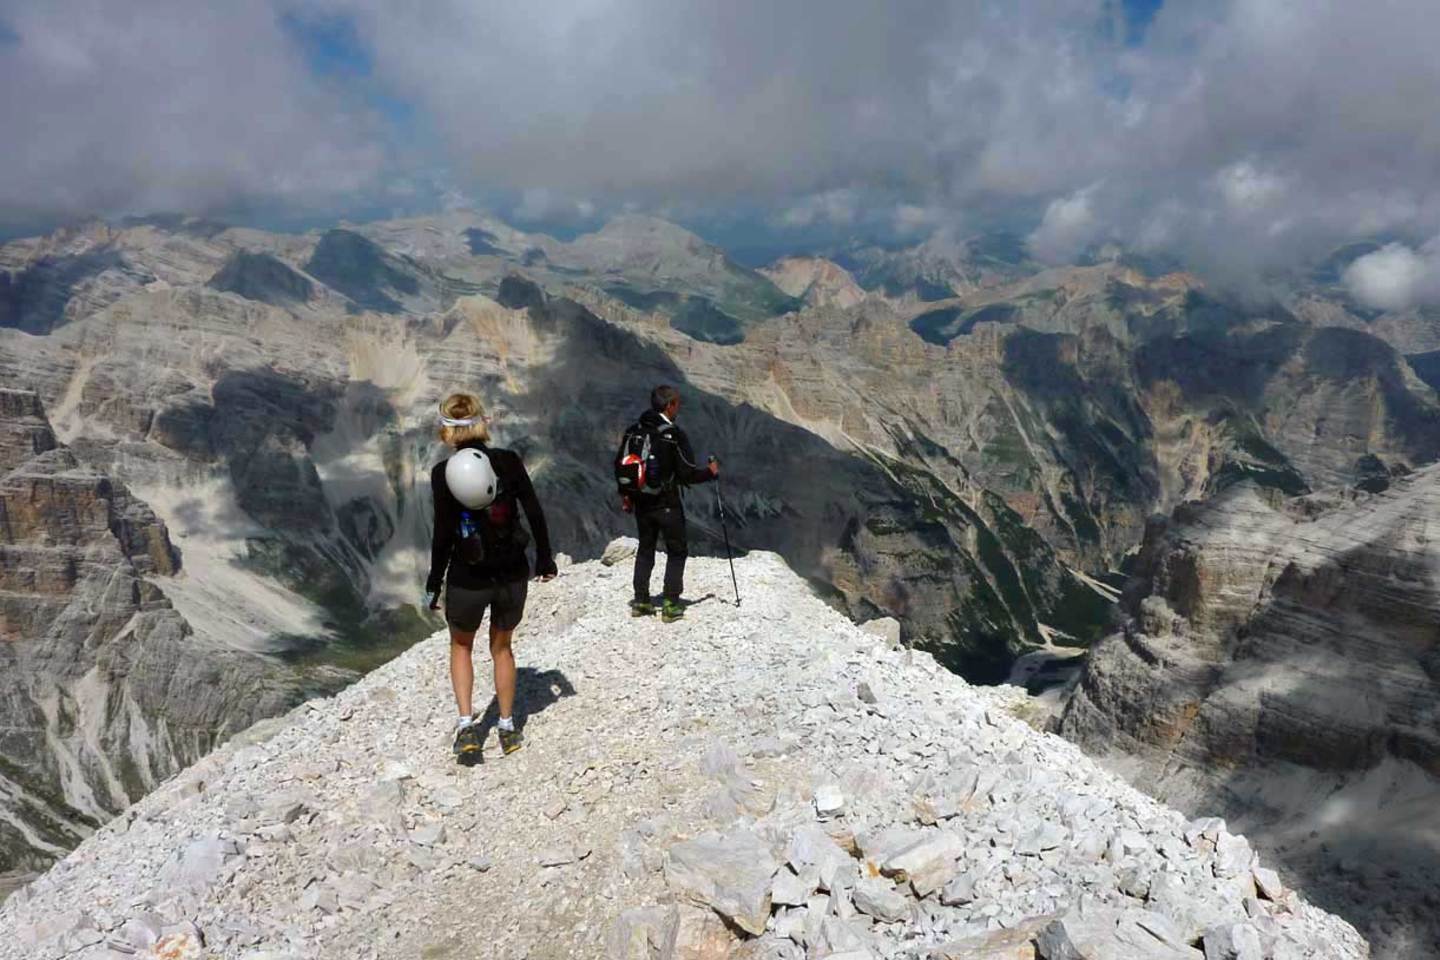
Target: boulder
934 846
829 800
811 848
1233 855
878 898
886 628
730 873
1104 933
1003 944
638 933
1267 881
200 862
696 934
791 889
1233 941
619 550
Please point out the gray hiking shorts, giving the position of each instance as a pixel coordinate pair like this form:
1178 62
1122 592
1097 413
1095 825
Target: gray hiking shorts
465 608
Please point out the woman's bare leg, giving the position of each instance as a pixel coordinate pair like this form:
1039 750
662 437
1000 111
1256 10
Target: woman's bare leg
462 670
504 658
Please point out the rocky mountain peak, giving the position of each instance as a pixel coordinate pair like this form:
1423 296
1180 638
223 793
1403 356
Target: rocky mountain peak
815 280
263 277
767 781
649 231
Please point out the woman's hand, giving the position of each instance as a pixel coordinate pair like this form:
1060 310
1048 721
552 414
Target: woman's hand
545 577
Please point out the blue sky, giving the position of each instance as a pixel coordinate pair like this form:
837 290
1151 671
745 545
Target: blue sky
335 54
1138 14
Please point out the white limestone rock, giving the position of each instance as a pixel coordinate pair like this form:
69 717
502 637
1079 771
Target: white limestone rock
619 550
730 873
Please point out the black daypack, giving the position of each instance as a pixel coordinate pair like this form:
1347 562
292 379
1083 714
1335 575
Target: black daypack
493 534
643 463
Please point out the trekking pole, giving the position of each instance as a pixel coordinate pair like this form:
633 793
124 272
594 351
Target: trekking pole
724 529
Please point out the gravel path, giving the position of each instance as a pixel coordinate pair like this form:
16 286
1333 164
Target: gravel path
769 770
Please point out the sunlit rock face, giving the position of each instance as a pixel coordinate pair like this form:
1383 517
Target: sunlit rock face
1281 666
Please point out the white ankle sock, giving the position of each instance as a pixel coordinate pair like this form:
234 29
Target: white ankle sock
507 724
463 722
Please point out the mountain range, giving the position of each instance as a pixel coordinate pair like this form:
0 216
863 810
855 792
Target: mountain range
951 434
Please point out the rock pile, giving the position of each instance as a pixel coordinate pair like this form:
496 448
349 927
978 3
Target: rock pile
767 781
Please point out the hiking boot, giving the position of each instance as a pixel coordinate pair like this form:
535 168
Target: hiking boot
510 741
670 611
642 608
467 742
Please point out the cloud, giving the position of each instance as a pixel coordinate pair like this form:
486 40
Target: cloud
835 207
1395 277
1069 226
168 104
1243 136
541 205
912 219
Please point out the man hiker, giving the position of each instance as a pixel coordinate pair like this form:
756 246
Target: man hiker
654 463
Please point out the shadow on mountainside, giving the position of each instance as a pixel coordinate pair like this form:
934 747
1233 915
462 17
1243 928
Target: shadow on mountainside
1220 368
870 530
33 300
261 426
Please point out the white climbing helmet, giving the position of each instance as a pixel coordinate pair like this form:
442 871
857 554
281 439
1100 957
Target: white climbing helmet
471 478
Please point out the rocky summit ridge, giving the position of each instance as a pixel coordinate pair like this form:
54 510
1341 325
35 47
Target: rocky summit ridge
763 781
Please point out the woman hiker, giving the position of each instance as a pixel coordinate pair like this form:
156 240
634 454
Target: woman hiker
478 553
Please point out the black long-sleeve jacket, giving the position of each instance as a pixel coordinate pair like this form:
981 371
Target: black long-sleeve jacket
675 446
515 487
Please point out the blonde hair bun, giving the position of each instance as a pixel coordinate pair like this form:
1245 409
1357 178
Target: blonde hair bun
462 420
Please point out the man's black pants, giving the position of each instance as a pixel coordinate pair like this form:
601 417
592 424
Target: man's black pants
654 523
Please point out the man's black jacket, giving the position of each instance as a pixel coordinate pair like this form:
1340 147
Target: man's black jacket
677 462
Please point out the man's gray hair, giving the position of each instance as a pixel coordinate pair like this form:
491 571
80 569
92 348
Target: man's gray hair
662 396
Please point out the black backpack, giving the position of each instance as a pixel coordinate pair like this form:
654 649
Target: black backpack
644 463
493 534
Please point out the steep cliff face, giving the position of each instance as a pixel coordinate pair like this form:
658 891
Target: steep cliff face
104 689
1282 661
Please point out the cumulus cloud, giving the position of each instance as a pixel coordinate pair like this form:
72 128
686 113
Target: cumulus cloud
1396 277
1068 227
1244 136
837 207
168 104
539 204
914 219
